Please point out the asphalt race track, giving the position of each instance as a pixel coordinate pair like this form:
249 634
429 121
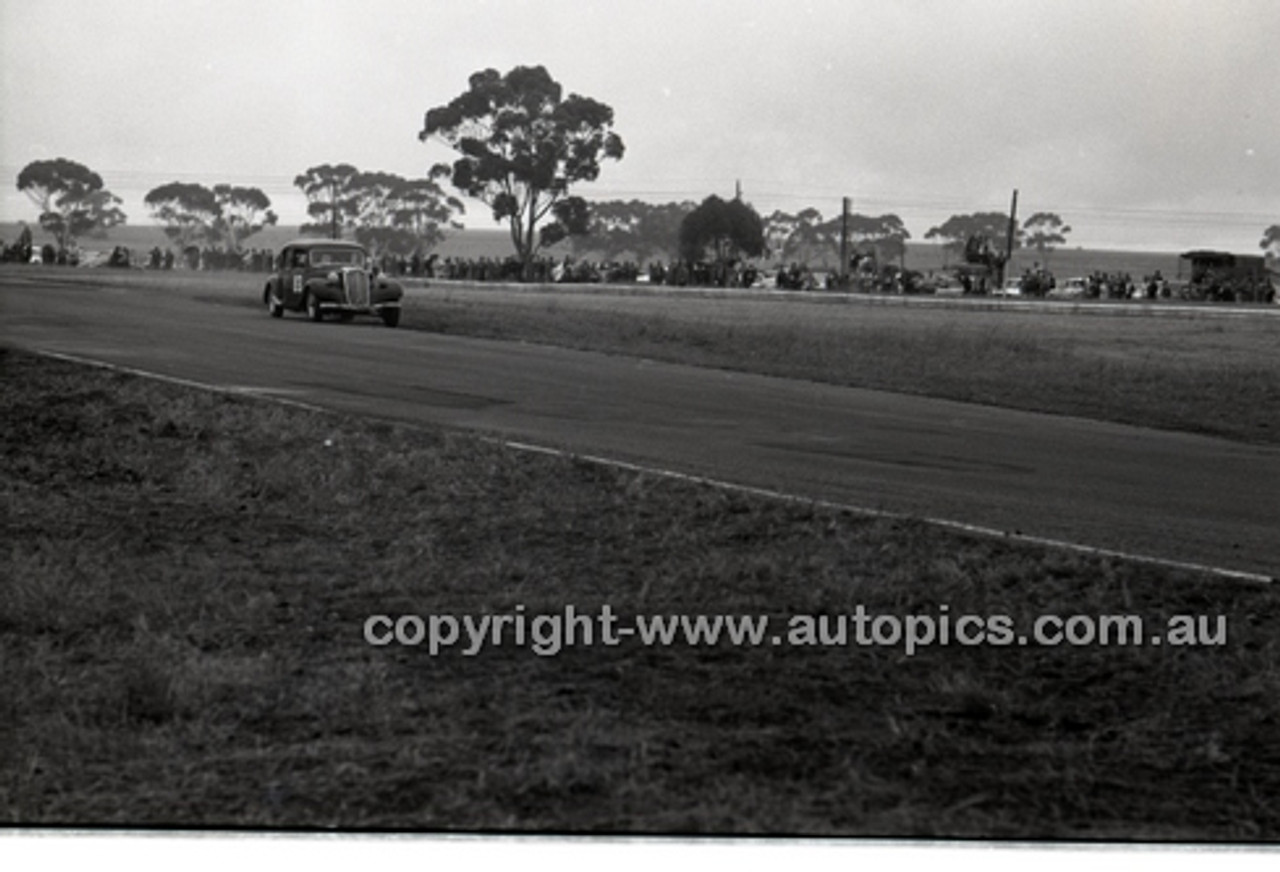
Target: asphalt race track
1173 496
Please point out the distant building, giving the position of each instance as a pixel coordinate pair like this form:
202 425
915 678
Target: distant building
1220 275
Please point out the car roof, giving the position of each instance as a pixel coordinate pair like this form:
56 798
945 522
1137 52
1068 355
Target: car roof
315 241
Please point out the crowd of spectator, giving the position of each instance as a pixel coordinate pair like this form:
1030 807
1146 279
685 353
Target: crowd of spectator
680 273
677 273
798 277
1223 287
121 256
20 251
207 259
568 269
1121 286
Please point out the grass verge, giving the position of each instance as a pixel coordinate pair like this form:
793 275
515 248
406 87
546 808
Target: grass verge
1207 375
188 576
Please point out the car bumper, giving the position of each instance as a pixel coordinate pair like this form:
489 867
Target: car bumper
371 309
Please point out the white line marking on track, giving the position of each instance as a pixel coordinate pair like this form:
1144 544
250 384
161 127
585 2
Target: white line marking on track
946 523
254 389
273 396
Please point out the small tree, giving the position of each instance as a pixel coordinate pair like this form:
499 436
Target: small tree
225 216
400 216
811 239
186 212
885 234
383 211
242 212
807 237
957 230
329 199
422 211
1270 243
725 230
71 199
1044 231
522 147
645 230
778 227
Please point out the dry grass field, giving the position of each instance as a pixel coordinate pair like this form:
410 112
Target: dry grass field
1211 375
181 634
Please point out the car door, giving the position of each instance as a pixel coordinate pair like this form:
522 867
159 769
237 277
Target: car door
283 268
292 275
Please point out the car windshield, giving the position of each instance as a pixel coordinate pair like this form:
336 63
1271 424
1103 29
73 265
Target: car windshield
337 257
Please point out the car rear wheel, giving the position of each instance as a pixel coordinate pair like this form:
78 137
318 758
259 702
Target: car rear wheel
275 308
313 307
391 317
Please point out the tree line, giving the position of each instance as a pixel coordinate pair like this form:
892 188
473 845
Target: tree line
384 212
521 146
720 229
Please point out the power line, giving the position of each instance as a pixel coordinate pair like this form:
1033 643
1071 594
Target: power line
775 192
694 189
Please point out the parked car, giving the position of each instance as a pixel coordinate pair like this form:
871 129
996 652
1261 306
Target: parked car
942 284
330 276
1070 289
1012 288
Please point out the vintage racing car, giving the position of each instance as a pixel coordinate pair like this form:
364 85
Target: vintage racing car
323 276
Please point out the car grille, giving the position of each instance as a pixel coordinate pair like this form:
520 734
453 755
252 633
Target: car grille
356 283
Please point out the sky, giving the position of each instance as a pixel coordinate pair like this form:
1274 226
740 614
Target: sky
1151 124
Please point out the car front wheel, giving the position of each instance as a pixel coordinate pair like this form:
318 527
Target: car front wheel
391 317
313 307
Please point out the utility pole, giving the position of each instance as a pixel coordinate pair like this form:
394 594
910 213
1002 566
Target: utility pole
737 189
333 210
844 243
1008 240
